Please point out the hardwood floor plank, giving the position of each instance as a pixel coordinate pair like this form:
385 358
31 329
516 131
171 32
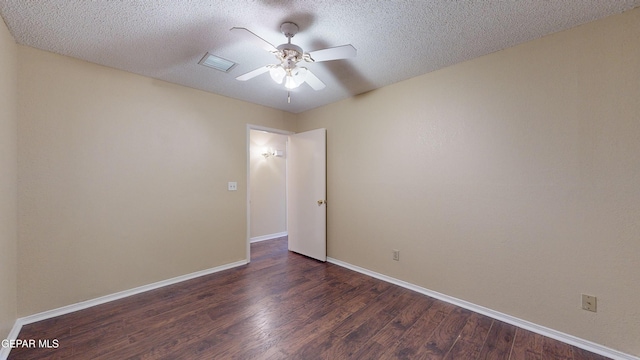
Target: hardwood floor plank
324 317
373 322
411 345
285 306
446 334
471 338
499 341
374 308
527 346
580 354
556 349
412 306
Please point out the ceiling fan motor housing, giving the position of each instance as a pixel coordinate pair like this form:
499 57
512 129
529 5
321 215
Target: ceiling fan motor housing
289 55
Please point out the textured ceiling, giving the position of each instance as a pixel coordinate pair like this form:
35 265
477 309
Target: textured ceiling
395 39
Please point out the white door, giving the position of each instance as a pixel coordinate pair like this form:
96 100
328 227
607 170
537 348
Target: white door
306 193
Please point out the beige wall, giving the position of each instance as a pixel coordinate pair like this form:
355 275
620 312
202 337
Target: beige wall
510 181
123 180
8 179
267 177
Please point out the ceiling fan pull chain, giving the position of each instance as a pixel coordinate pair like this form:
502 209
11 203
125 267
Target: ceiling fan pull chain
288 97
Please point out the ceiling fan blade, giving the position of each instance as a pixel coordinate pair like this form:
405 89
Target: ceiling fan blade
250 36
313 81
254 73
334 53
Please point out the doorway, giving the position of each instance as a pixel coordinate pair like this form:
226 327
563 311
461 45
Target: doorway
266 184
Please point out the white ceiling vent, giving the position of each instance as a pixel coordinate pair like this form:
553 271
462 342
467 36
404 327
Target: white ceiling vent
217 62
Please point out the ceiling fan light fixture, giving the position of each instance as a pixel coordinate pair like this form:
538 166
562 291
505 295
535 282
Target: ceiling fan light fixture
277 74
289 83
295 77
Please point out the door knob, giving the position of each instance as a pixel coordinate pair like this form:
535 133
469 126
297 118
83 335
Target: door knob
320 202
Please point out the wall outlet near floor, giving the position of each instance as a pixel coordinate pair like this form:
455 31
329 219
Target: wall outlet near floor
589 303
396 255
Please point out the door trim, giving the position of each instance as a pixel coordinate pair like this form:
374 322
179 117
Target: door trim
248 161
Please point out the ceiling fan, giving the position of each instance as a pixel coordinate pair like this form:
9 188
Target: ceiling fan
287 69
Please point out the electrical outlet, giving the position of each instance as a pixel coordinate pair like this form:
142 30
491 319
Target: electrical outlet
589 303
396 255
232 186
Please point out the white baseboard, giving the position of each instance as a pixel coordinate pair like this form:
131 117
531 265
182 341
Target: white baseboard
268 237
554 334
4 352
13 334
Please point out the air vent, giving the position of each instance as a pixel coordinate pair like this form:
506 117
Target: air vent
216 62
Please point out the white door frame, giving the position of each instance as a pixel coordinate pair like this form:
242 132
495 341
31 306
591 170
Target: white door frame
259 128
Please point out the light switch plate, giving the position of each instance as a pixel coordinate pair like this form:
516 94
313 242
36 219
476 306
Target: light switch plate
232 186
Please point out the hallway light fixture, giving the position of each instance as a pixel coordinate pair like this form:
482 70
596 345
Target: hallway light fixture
266 152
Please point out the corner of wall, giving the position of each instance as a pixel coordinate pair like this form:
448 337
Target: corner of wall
290 121
8 180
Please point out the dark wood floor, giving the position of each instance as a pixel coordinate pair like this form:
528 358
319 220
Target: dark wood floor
286 306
